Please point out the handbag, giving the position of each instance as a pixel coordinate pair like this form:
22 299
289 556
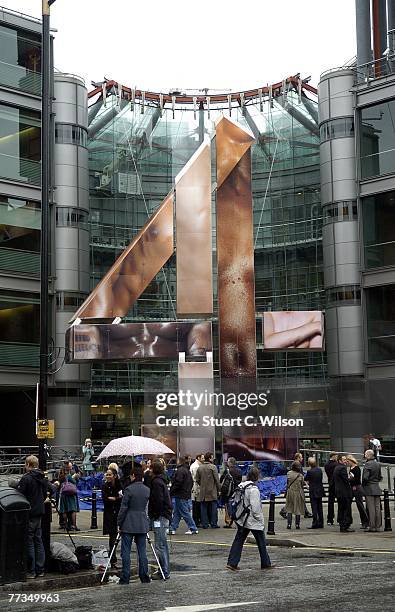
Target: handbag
68 488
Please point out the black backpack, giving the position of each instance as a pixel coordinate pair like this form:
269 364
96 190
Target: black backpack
238 510
227 485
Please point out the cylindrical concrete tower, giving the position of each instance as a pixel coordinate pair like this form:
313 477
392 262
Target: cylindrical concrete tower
69 405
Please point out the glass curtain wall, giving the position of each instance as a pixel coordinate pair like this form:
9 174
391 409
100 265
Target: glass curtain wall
20 60
20 146
377 139
19 329
134 156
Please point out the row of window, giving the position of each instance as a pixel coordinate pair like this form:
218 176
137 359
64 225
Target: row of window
337 128
341 295
346 210
71 217
66 133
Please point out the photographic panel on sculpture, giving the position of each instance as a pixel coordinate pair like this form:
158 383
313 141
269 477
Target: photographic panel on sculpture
193 235
294 331
134 269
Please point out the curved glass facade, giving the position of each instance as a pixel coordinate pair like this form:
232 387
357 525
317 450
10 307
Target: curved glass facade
135 153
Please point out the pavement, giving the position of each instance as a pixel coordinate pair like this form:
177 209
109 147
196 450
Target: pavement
315 570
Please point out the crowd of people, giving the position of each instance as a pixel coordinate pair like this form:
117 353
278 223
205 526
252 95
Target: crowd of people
141 497
343 486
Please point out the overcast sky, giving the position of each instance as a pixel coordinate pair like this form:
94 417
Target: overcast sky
219 44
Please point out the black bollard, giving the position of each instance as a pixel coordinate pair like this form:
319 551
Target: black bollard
387 512
94 510
272 506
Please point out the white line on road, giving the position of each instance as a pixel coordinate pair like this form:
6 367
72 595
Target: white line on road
204 607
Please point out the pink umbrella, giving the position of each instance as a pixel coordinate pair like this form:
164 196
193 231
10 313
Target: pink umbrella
134 445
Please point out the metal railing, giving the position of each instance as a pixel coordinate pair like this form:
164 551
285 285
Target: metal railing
16 354
23 262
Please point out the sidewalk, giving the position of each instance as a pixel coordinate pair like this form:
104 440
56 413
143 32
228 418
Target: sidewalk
329 537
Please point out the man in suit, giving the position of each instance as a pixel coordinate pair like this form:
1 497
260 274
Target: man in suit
343 493
371 477
329 468
133 522
208 481
314 479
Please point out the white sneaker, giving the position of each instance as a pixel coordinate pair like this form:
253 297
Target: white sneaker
172 532
189 532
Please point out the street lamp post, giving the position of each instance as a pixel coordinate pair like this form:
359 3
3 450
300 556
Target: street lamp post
45 193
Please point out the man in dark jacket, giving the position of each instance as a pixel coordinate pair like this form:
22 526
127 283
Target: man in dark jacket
343 493
371 477
329 468
160 511
181 490
133 522
34 487
230 480
316 489
208 480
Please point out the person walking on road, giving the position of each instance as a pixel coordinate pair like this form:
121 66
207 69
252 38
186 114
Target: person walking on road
181 490
34 487
196 515
314 479
343 493
329 468
295 502
160 511
208 481
371 476
230 480
254 523
357 491
111 504
133 523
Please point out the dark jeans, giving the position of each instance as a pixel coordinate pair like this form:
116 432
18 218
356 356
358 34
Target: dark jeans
209 511
181 510
358 496
316 508
196 513
126 545
111 541
35 547
331 504
238 542
344 511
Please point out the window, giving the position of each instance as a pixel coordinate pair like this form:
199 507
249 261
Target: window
20 65
20 224
20 145
19 317
340 211
71 217
337 128
66 133
340 296
69 301
379 229
378 139
381 323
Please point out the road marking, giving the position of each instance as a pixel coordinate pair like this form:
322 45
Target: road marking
204 607
226 545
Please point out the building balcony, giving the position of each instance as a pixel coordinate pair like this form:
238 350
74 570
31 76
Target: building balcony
20 169
16 354
18 77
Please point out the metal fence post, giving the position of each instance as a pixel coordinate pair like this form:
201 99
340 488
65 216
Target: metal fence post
94 510
272 505
387 512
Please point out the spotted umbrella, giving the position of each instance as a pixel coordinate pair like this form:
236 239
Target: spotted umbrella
134 445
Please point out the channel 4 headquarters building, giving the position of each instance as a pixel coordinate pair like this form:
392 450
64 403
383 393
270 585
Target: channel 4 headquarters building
243 240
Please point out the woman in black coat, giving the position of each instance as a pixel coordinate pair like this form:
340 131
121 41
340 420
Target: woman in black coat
112 502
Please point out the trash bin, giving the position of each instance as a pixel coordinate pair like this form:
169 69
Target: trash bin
14 522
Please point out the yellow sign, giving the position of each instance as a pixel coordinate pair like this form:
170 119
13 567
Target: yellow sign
45 428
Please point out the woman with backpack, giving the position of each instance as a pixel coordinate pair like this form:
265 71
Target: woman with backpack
295 502
68 500
248 516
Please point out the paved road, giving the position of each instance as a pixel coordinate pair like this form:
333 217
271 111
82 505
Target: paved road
303 580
